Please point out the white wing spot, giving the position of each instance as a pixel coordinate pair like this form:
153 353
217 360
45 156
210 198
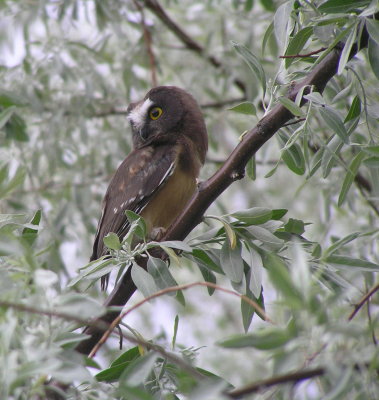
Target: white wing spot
138 115
115 210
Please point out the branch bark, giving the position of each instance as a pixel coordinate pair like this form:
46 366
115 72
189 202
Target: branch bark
231 170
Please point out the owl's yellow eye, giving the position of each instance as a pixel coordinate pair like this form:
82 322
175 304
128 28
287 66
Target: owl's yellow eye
155 113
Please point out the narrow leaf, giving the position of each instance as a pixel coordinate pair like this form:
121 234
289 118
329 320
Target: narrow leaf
350 175
347 49
139 370
30 234
354 110
253 62
231 262
297 43
333 120
291 106
373 57
266 340
253 216
143 280
244 108
347 262
342 6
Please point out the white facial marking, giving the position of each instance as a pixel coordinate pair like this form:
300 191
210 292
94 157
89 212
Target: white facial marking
138 115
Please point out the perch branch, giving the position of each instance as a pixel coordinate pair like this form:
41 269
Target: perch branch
230 171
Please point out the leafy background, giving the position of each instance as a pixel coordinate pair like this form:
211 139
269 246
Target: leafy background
68 71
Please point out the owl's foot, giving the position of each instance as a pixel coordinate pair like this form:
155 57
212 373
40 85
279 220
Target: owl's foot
157 234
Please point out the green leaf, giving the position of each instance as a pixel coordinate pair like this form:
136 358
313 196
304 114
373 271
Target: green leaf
208 276
333 120
118 366
5 115
295 226
297 43
350 175
373 56
176 325
112 241
371 162
330 155
30 234
139 370
254 260
281 279
140 229
163 279
266 339
267 35
17 180
279 213
143 280
253 62
344 58
176 244
342 6
231 262
16 129
202 257
291 106
136 393
373 29
269 5
374 150
253 216
341 242
294 159
251 169
354 110
265 236
244 108
349 262
247 310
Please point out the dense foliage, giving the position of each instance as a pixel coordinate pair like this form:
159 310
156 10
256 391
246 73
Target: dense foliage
288 254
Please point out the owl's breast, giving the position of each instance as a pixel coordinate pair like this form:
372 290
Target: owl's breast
170 200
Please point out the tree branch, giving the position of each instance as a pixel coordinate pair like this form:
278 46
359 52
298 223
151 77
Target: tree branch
364 299
276 380
230 171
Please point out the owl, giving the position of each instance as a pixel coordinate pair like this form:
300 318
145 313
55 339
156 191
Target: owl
159 176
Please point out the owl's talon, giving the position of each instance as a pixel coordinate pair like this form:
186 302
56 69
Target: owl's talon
157 234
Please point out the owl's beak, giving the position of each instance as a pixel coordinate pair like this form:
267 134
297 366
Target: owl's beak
143 133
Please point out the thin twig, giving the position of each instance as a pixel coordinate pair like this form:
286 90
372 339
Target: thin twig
162 292
149 47
295 122
276 380
191 44
304 55
363 300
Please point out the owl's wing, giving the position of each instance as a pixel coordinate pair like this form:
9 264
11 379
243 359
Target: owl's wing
137 179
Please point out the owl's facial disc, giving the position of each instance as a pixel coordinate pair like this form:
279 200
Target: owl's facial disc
137 116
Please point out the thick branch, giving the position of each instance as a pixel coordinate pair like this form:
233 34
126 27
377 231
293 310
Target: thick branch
232 169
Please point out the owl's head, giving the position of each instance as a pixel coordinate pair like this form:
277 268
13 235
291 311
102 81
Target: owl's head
166 114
